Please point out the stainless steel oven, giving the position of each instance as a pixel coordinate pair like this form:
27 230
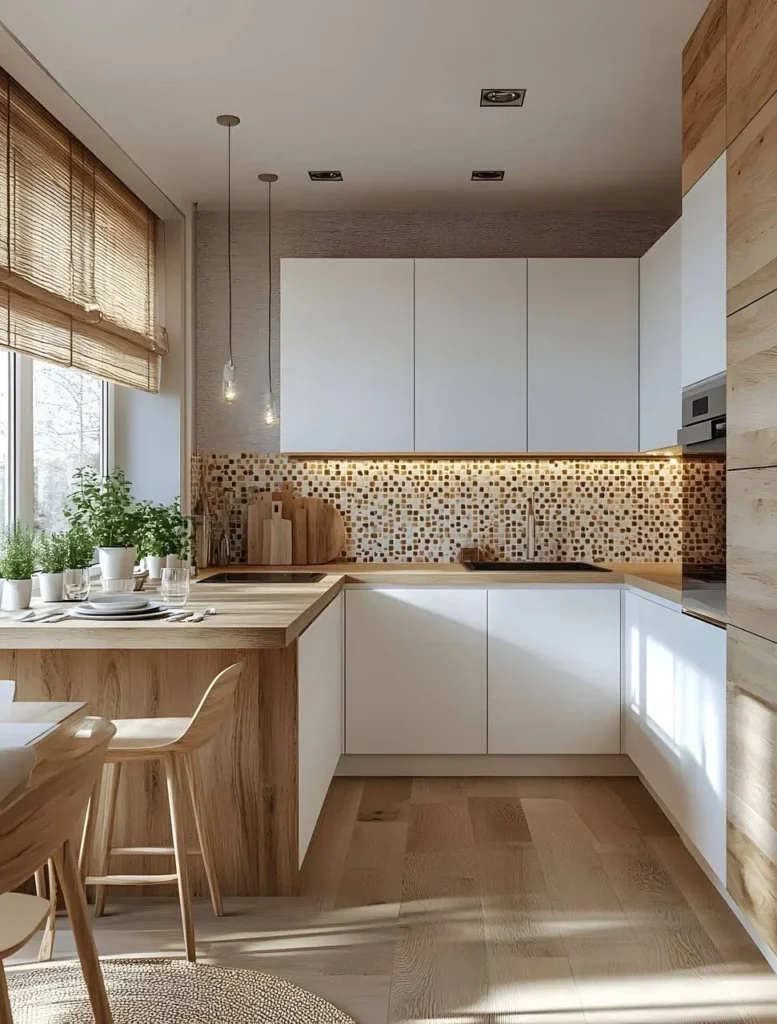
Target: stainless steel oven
703 440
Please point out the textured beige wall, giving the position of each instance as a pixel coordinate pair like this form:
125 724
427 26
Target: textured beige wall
221 428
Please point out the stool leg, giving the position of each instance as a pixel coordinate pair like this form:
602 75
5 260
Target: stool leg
175 799
40 883
5 1004
195 792
104 832
46 950
90 827
69 878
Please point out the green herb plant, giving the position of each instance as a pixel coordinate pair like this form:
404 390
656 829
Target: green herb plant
155 536
105 508
79 548
51 552
17 554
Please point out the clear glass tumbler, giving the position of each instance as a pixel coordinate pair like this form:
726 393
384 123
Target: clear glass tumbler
77 583
174 588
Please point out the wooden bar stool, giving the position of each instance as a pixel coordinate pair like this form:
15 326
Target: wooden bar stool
172 741
36 826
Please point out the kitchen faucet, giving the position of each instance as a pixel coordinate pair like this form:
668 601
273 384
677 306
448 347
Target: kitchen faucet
530 543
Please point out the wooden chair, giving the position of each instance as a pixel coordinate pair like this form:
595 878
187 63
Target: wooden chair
7 695
37 826
172 741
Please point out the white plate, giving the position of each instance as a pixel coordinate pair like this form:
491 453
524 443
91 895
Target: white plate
154 613
116 602
129 613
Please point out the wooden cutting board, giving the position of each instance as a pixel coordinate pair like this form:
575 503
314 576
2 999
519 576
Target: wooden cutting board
276 537
258 512
299 531
326 531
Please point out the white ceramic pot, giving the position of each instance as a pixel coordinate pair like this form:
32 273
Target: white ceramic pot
174 562
52 586
117 563
155 566
17 594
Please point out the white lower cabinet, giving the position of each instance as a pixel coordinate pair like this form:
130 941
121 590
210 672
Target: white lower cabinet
675 718
554 677
320 725
416 671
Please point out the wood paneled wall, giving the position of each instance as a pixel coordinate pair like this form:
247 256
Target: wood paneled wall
751 134
704 94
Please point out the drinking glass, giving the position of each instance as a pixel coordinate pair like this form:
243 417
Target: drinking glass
77 583
174 588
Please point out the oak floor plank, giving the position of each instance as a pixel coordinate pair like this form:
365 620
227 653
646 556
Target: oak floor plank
606 817
385 799
324 863
649 817
438 790
374 865
498 820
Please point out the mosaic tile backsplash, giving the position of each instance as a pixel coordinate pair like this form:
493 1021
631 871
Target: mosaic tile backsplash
408 510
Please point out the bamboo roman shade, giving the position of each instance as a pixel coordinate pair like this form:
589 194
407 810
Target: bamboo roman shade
77 252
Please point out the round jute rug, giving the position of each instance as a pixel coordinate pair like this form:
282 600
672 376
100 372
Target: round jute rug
165 992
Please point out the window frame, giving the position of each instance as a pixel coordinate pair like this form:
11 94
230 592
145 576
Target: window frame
20 476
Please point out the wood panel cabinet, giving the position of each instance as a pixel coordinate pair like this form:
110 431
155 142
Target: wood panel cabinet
660 341
704 94
752 60
415 671
320 714
752 385
554 671
347 355
751 562
583 355
752 779
704 276
752 210
470 355
674 726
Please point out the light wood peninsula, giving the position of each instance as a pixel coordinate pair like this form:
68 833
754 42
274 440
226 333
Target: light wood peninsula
134 670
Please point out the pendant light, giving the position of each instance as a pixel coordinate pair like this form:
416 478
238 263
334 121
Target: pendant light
271 405
229 121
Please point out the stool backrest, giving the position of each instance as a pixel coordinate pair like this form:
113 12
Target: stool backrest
7 690
39 820
214 707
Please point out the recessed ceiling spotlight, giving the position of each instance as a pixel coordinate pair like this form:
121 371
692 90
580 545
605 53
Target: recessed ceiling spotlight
326 175
488 176
502 97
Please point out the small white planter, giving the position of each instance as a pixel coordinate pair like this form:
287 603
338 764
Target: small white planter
155 565
17 594
52 586
117 563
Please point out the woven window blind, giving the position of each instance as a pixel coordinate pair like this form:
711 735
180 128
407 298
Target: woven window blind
77 252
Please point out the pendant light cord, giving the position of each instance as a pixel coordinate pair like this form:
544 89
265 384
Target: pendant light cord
269 286
229 235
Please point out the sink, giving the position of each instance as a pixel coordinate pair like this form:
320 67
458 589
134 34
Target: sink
534 567
264 577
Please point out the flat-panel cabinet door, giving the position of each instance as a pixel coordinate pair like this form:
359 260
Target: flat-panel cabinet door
554 680
320 726
704 276
470 355
660 342
346 355
415 671
583 355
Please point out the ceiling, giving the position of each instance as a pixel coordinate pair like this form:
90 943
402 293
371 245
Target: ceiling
387 91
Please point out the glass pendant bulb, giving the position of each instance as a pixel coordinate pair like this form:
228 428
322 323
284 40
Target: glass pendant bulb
230 382
270 411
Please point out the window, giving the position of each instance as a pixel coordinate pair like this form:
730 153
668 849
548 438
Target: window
67 414
53 421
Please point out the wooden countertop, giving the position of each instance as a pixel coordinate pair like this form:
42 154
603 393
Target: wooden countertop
273 615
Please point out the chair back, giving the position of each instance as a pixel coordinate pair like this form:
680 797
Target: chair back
214 707
7 690
36 824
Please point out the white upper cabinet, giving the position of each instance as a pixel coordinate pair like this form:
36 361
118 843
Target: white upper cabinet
704 276
660 341
554 679
583 355
470 355
346 355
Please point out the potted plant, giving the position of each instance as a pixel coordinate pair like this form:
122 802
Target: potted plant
51 556
104 507
155 538
179 527
17 564
79 558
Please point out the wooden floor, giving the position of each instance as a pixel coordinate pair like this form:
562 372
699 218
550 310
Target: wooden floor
461 901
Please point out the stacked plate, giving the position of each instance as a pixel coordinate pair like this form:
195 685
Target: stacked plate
121 607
